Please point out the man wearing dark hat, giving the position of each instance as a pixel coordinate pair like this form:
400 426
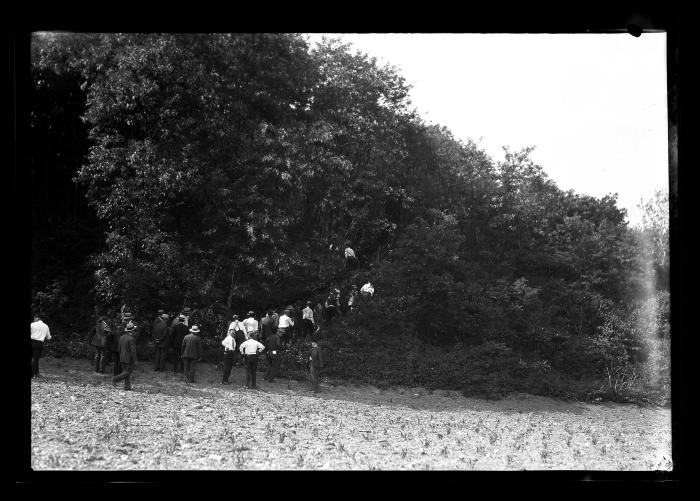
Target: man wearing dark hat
127 356
191 353
179 331
161 337
267 326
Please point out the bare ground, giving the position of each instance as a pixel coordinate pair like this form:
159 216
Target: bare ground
81 422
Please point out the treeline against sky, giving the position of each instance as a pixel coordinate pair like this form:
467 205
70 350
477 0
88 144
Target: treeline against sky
218 169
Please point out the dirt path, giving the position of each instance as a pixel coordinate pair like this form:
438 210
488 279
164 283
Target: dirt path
80 422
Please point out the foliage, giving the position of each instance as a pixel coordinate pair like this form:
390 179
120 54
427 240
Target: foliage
218 169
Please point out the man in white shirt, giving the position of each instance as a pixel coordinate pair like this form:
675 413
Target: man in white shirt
307 316
350 259
367 289
250 325
229 345
39 333
250 350
284 324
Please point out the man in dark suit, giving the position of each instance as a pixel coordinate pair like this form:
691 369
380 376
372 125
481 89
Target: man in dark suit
273 356
125 319
179 331
191 353
127 356
161 337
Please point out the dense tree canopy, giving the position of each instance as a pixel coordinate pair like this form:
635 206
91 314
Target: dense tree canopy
220 168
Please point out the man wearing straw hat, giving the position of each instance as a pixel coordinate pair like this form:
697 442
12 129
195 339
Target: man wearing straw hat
191 353
127 356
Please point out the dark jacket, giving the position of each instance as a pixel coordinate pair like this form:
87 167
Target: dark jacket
161 333
192 346
178 333
116 334
127 349
316 358
267 327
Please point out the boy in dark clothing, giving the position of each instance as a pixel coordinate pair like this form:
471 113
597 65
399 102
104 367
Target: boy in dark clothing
127 356
179 331
273 357
191 353
315 366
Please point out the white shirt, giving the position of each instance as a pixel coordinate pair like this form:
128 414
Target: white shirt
349 253
308 314
367 288
250 325
40 331
251 347
236 325
229 343
285 321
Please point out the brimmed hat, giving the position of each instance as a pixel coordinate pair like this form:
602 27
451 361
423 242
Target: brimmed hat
194 329
251 313
182 317
161 311
130 327
234 317
186 309
165 316
127 315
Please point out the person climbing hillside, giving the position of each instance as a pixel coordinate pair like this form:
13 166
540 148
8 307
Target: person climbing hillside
285 323
308 326
350 259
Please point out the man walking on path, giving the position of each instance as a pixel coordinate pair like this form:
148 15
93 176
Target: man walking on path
127 356
251 350
307 319
315 366
99 341
229 345
40 333
191 353
161 337
285 324
250 325
179 331
273 356
238 329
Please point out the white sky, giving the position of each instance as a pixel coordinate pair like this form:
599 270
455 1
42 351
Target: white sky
593 105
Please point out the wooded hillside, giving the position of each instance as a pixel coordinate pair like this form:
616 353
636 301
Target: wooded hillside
216 170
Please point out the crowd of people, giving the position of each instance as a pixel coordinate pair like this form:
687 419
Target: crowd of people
244 342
